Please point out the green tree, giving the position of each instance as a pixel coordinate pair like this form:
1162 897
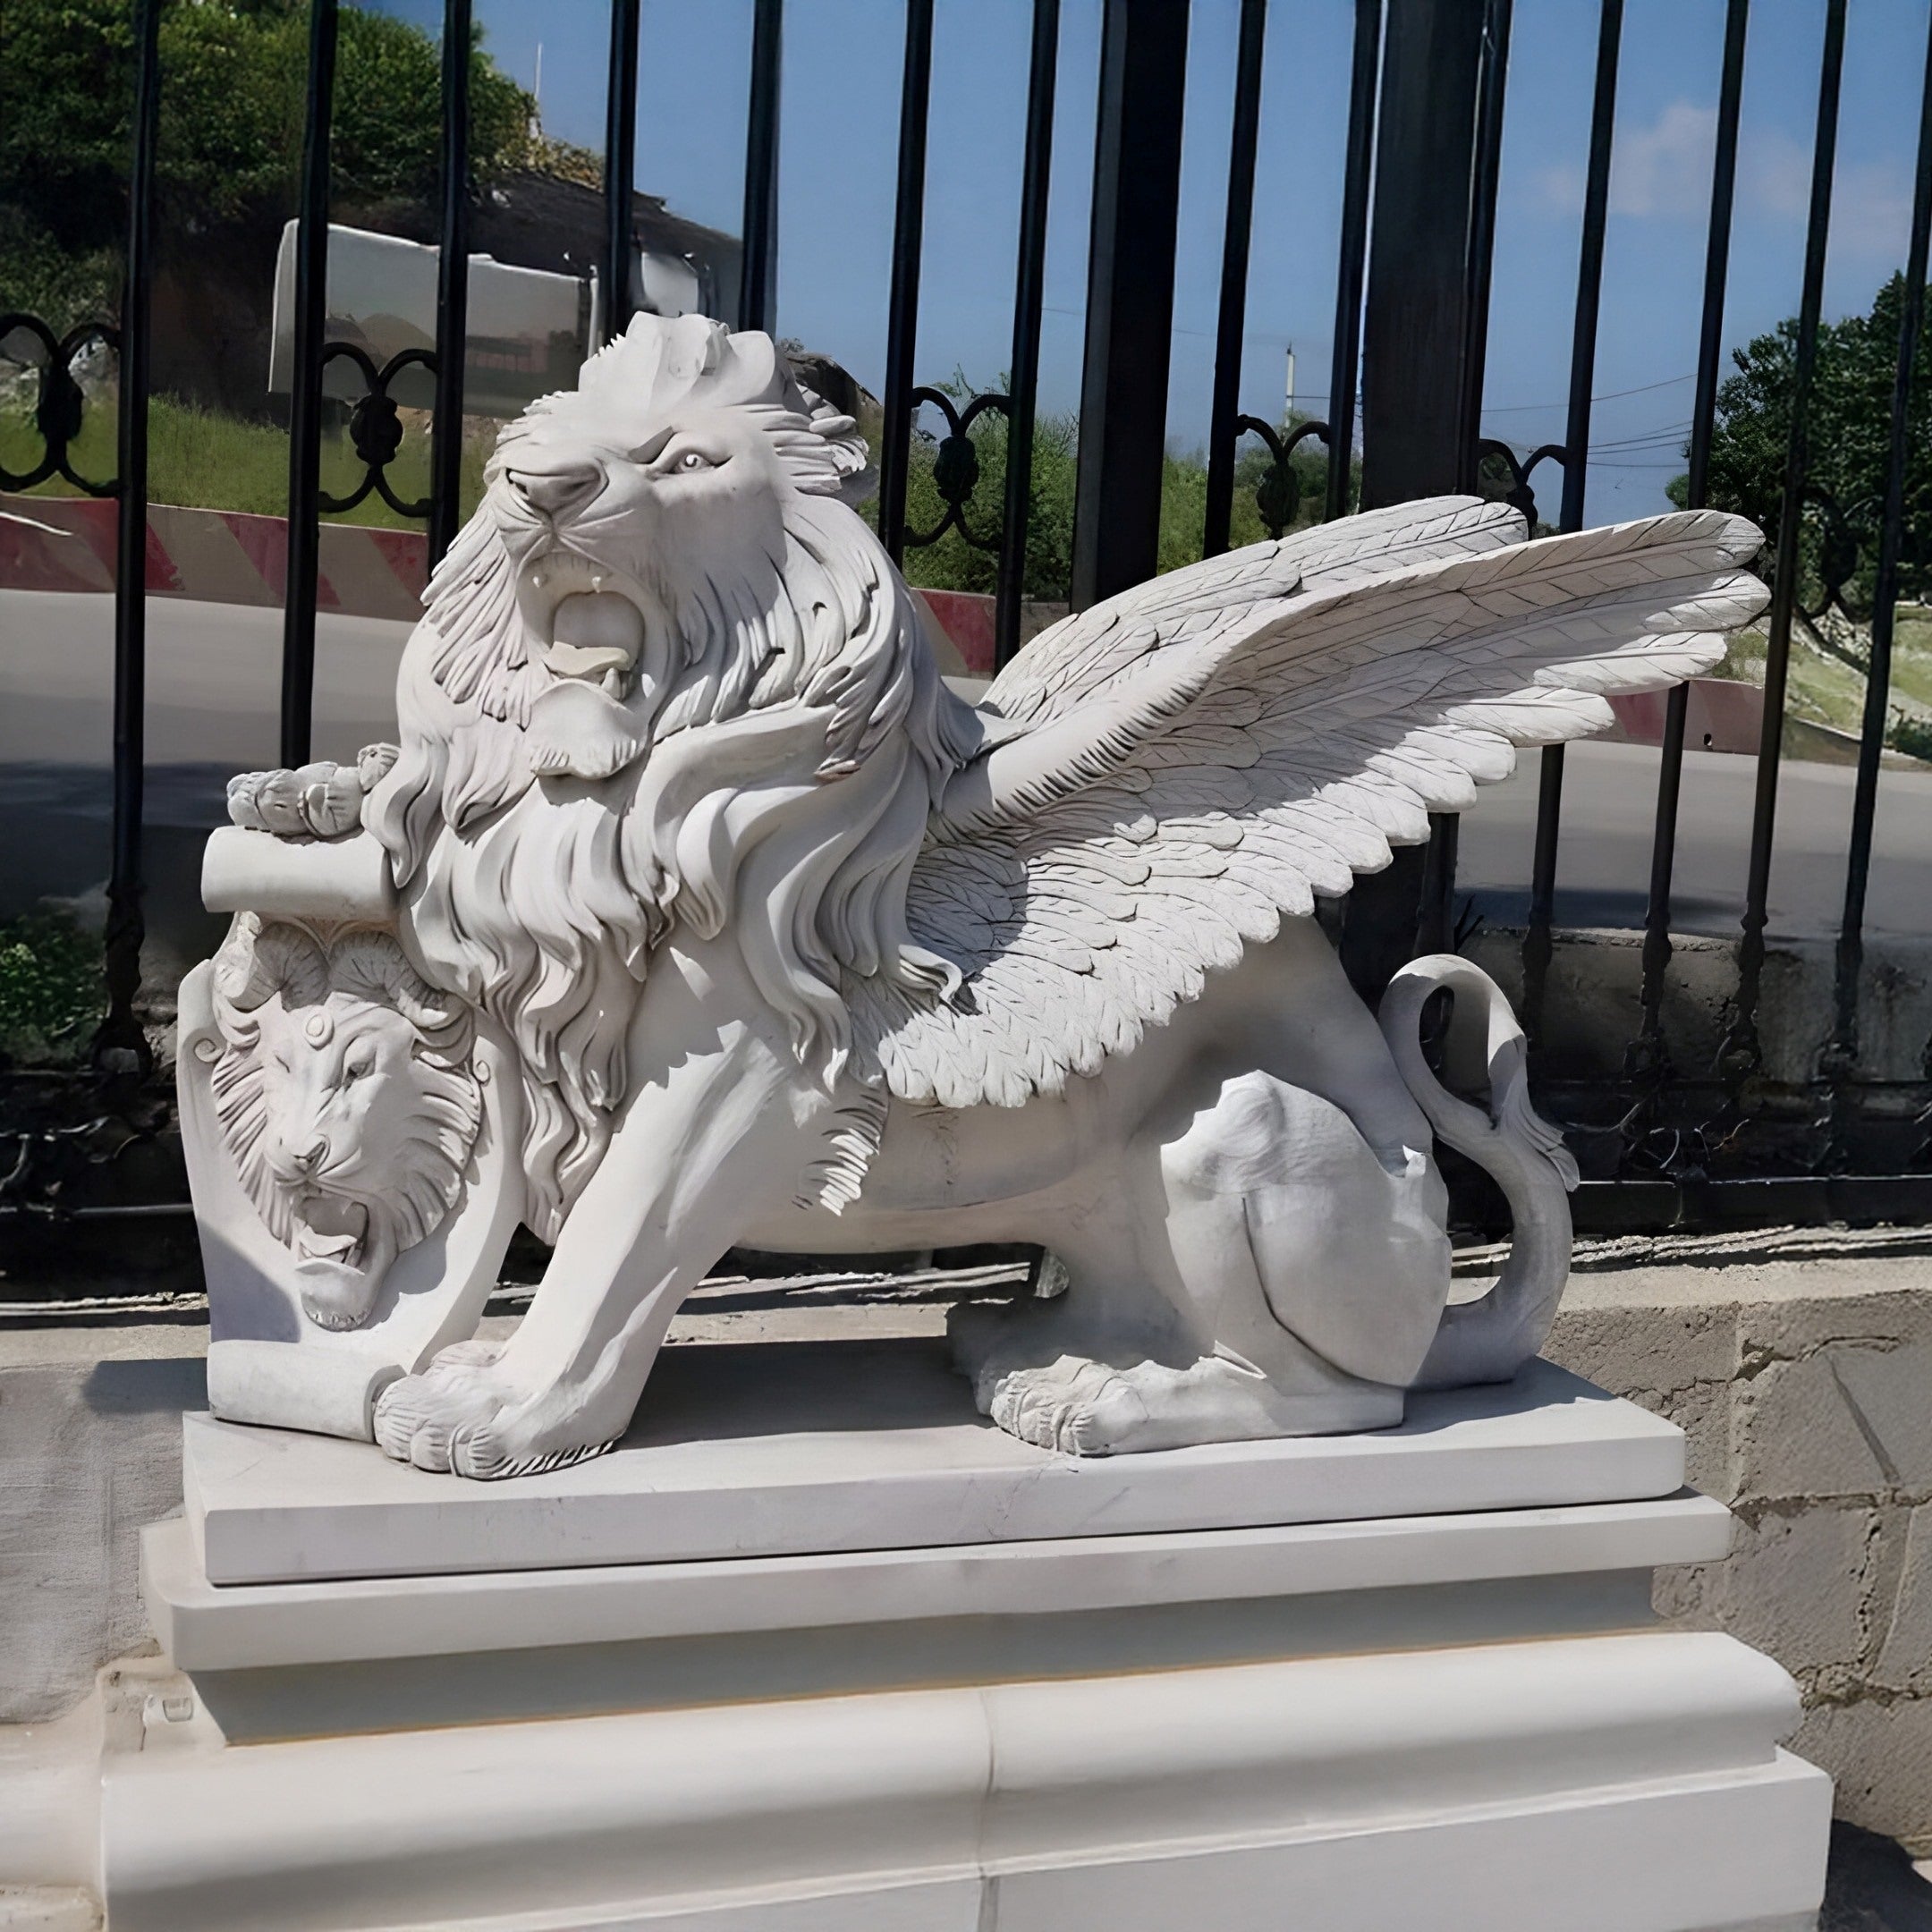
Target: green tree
1848 434
235 81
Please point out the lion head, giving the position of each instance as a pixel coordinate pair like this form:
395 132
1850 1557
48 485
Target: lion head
667 678
346 1098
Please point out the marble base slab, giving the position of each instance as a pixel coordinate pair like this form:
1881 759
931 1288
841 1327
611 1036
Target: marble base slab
1618 1783
205 1626
1463 1717
791 1449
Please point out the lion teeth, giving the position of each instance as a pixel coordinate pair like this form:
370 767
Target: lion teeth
597 580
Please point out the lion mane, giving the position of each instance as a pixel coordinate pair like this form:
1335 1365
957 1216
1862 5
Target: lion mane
285 990
775 790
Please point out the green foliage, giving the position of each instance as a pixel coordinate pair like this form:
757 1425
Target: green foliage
51 991
234 79
954 564
1848 433
1911 735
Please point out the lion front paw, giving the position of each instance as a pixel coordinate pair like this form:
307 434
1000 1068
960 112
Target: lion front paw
319 801
461 1416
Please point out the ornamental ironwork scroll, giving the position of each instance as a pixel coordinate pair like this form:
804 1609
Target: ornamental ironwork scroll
376 427
1278 493
60 405
955 471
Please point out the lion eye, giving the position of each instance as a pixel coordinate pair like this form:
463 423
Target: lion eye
691 460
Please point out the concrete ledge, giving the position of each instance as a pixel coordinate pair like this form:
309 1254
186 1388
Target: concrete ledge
205 1626
1798 1372
1592 1783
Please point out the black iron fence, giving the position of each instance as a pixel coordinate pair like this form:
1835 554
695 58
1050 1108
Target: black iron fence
1669 1134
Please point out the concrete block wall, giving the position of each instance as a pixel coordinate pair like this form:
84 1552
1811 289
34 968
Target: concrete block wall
1801 1369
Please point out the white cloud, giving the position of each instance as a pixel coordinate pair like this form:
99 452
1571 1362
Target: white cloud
1664 170
1661 169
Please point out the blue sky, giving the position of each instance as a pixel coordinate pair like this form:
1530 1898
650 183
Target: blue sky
839 135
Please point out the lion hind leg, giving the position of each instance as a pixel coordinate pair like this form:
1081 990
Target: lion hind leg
1077 1406
1286 1226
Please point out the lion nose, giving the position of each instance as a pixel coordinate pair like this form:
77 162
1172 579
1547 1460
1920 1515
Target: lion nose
554 492
308 1159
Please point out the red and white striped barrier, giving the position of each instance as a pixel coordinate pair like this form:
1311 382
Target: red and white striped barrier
217 556
228 557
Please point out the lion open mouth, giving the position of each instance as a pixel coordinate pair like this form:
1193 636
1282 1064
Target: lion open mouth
587 626
330 1228
596 635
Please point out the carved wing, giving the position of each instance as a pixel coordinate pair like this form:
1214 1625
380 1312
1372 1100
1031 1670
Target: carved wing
1169 774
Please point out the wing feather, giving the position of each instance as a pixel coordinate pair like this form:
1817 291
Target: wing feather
1172 774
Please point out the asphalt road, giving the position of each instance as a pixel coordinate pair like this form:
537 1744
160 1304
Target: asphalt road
213 676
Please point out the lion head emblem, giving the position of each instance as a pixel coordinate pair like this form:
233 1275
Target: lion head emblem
668 679
347 1099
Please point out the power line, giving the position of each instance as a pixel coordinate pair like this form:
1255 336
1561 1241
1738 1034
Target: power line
1517 409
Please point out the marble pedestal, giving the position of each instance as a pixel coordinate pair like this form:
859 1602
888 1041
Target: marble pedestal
849 1658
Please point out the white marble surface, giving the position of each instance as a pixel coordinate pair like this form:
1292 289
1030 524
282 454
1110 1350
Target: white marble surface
1626 1782
210 1627
797 1448
1040 968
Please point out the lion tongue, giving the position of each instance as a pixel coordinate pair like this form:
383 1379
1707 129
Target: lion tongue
332 1231
593 632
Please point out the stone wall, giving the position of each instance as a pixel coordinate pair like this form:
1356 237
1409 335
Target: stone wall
1800 1368
89 1453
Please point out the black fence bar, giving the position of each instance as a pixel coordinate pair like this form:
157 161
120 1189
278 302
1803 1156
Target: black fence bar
120 1046
305 393
1717 252
1841 1054
452 285
1436 921
1435 927
1353 255
1222 432
1537 944
758 297
1742 1052
1490 89
1590 268
1414 340
1647 1064
1130 297
1413 337
1030 295
620 166
902 317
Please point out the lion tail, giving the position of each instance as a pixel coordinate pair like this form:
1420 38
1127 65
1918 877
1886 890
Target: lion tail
1488 1339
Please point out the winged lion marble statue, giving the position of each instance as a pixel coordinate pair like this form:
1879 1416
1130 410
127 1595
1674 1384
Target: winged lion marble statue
692 910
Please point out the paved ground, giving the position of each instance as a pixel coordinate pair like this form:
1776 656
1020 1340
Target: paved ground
213 681
1874 1887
